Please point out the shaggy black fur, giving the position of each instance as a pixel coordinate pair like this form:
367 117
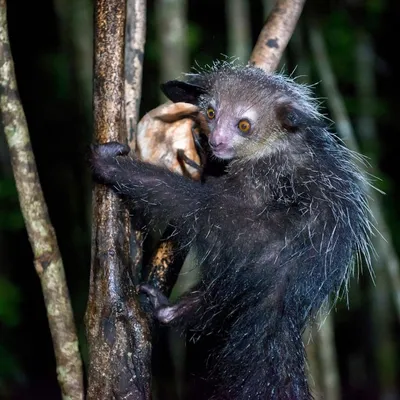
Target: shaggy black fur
274 236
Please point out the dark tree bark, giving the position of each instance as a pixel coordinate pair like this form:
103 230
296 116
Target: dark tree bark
117 330
47 258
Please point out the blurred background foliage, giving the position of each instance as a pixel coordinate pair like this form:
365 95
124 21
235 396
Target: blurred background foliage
51 43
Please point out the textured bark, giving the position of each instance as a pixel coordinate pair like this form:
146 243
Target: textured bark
276 33
47 258
117 330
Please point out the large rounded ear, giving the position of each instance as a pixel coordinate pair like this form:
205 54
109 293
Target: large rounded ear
179 91
292 118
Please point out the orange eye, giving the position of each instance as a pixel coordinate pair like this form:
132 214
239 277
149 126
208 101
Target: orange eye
244 125
210 113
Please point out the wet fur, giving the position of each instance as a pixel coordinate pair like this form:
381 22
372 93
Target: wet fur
274 236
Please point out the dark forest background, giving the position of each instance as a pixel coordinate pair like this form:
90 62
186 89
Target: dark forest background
51 45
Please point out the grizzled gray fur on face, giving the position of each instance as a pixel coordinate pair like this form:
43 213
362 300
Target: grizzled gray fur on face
274 236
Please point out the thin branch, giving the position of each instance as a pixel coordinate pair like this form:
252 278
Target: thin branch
134 54
118 334
345 129
276 33
47 258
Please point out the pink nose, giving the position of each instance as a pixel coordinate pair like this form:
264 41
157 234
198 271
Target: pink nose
215 143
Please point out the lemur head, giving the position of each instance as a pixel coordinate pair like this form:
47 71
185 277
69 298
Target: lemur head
249 113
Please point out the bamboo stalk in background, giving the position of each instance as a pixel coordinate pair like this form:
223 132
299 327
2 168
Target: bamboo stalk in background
47 258
76 25
239 33
172 32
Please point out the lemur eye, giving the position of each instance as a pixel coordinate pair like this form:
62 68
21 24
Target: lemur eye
244 125
210 113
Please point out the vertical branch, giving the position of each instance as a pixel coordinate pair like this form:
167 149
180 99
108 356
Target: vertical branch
276 33
47 258
172 34
239 35
118 334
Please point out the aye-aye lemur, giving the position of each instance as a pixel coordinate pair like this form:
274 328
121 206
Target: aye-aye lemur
274 236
